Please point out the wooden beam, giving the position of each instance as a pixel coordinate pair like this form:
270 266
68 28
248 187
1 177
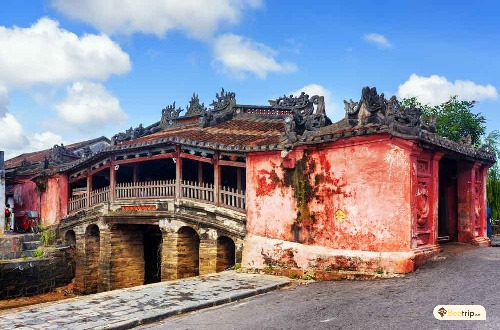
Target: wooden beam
231 163
103 167
198 158
144 159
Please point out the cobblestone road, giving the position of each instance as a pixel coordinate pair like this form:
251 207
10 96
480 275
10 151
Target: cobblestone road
468 275
129 307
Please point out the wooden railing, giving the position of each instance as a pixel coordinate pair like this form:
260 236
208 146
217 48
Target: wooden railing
198 191
76 203
100 195
160 188
205 192
232 198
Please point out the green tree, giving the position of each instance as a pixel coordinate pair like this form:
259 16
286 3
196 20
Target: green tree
493 180
454 119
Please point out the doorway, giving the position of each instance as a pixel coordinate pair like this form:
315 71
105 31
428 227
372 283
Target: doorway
152 254
448 201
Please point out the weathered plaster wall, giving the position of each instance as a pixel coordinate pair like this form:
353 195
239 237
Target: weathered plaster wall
360 200
55 200
26 198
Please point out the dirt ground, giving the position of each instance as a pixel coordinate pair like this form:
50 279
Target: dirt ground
61 293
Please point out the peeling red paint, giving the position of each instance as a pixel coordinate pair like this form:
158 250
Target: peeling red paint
364 183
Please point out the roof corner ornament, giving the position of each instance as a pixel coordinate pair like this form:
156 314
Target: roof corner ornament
223 109
308 115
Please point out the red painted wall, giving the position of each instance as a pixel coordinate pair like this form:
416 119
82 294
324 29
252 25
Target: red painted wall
26 198
54 199
362 201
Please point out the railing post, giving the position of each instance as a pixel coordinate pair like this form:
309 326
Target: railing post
178 173
112 181
216 178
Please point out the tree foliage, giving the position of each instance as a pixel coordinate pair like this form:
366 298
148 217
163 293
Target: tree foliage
493 180
454 119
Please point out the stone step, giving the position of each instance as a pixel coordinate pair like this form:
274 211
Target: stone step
29 253
31 245
30 237
12 255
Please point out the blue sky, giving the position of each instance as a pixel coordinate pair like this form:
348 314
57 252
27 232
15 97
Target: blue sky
72 70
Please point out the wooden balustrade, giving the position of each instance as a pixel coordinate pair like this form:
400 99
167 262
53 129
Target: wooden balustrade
228 197
198 191
76 203
100 195
147 189
232 198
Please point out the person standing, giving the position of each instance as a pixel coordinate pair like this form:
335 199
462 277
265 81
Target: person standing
488 222
12 228
7 217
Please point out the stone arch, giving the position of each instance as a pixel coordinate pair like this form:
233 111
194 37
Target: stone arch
188 252
70 238
91 261
226 252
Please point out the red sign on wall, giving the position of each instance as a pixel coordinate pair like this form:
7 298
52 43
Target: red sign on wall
139 208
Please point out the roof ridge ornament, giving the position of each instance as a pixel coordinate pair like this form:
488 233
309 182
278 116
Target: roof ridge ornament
375 109
223 109
308 115
195 108
169 115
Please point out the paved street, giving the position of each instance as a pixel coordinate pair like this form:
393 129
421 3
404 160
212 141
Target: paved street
468 275
123 309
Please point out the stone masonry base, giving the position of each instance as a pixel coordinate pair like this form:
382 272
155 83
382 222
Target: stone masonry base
297 260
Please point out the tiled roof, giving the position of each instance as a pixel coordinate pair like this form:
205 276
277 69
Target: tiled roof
236 132
38 156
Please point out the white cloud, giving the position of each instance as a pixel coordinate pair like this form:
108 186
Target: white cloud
89 104
436 89
14 141
239 55
47 54
4 100
315 89
45 140
378 40
197 18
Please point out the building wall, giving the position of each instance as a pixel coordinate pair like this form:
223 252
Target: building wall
55 200
26 198
349 195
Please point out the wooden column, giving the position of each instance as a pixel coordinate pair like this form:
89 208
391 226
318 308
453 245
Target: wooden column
89 186
238 179
178 173
216 178
112 182
135 171
200 172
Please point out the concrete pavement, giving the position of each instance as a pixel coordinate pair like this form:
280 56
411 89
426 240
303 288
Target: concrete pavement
126 308
461 275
